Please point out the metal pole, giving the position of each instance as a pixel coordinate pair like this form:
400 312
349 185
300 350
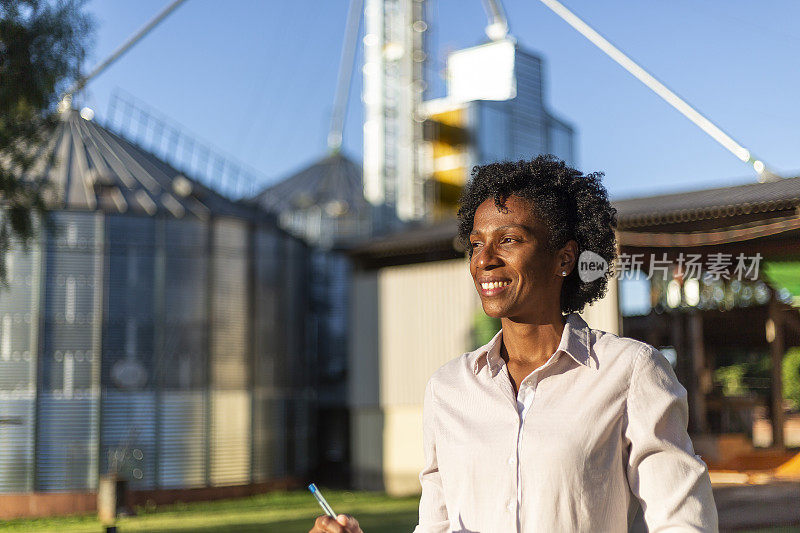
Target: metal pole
498 24
122 49
345 77
661 90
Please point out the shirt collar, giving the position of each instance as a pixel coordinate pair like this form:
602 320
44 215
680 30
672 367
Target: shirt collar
574 342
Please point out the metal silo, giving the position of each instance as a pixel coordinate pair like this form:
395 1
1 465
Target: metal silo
324 205
68 395
19 347
159 332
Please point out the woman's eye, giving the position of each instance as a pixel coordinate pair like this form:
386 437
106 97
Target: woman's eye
509 239
474 244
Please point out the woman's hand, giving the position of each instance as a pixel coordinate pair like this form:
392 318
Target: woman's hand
343 524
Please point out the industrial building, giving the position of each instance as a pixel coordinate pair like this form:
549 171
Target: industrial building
156 332
324 205
495 110
417 153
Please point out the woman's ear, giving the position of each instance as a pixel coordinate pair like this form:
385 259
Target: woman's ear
567 257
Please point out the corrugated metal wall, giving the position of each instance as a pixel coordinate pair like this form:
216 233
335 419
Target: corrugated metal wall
365 341
182 341
182 439
204 377
330 285
298 403
129 381
406 321
269 341
230 358
69 395
426 314
19 321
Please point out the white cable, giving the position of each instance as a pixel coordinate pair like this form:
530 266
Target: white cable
659 88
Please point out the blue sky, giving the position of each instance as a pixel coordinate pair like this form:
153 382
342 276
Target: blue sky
257 78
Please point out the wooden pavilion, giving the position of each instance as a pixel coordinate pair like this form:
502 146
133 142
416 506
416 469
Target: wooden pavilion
723 314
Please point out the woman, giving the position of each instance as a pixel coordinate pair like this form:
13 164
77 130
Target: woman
551 426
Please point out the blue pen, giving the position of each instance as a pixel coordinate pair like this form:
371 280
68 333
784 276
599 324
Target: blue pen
322 502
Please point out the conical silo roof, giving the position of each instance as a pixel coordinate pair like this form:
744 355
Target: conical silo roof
334 180
91 168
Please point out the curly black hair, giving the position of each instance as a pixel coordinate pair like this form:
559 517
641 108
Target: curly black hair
573 206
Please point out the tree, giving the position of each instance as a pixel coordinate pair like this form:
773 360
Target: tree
791 376
42 47
483 328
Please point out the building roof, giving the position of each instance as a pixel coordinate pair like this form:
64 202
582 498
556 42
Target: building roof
709 203
334 181
437 240
89 167
413 244
412 239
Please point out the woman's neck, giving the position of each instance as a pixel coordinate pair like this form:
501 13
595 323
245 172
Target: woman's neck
531 343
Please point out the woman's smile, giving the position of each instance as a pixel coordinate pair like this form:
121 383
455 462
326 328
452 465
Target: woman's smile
493 287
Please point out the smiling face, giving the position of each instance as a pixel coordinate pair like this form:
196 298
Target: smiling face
515 274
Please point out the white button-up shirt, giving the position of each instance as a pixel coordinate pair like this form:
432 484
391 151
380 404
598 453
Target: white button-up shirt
594 431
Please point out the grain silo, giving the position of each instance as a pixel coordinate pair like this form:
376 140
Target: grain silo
157 332
324 205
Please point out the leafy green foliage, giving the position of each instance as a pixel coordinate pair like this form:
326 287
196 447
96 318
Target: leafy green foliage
791 376
732 379
483 328
42 47
753 377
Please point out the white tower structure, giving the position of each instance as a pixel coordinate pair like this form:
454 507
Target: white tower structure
393 85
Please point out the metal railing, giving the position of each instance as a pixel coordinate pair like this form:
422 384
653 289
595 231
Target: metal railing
151 130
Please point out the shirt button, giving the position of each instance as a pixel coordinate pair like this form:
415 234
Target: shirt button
510 507
511 460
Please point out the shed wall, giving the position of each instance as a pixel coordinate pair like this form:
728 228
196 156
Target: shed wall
426 313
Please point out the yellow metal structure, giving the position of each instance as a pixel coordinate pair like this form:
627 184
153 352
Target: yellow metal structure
448 138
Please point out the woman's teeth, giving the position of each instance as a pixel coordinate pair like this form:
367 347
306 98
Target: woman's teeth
494 285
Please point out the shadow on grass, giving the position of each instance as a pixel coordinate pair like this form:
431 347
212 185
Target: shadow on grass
397 522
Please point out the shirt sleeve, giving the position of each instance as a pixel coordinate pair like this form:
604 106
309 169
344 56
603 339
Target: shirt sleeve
432 510
670 481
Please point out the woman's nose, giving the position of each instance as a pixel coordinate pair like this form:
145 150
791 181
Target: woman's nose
487 257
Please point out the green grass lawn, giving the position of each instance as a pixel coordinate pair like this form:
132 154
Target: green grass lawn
276 512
